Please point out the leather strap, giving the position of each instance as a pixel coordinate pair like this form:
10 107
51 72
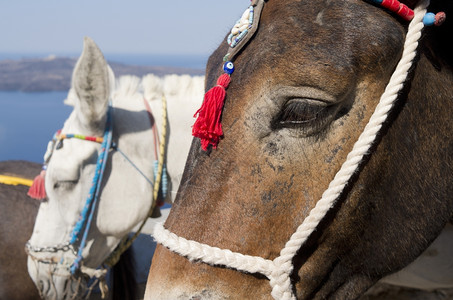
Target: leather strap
258 8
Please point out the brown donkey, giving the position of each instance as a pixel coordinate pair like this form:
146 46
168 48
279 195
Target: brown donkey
305 86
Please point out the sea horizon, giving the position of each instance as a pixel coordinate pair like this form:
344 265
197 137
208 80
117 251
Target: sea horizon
192 61
29 119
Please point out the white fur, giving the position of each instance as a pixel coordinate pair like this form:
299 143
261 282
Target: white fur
126 195
184 96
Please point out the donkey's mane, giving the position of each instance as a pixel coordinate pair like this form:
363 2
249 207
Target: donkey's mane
127 90
180 86
129 87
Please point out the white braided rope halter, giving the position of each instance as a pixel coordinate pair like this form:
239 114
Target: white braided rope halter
279 270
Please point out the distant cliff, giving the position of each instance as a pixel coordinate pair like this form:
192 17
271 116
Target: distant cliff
54 73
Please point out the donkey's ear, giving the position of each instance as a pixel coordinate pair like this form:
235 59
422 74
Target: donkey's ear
90 82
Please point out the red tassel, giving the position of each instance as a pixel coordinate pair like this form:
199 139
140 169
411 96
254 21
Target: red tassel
207 127
38 189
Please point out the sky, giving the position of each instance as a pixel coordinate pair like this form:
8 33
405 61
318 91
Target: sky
189 27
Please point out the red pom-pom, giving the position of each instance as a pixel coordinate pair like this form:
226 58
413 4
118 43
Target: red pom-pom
38 189
207 127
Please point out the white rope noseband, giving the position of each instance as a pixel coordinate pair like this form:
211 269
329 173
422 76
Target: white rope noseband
279 270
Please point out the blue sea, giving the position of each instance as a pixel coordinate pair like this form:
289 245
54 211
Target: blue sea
28 121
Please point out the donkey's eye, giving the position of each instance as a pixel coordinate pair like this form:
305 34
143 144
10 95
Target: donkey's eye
65 184
299 112
308 115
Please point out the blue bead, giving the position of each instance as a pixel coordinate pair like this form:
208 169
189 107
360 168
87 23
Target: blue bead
228 67
230 39
429 19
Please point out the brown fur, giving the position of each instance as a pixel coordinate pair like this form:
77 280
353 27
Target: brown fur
17 217
252 193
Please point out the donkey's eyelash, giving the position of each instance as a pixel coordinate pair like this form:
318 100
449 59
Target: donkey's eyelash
65 184
300 113
304 115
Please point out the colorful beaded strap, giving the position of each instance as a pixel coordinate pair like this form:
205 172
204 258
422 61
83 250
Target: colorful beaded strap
81 137
37 189
62 136
407 14
397 7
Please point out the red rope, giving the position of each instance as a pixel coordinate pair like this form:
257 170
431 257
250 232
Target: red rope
154 127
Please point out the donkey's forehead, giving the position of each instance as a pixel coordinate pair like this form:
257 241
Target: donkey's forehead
74 154
316 23
327 53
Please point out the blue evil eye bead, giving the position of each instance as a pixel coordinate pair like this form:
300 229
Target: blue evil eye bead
429 19
228 67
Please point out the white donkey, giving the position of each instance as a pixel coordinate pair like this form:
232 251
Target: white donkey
73 235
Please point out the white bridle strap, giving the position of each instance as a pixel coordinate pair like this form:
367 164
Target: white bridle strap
279 270
212 255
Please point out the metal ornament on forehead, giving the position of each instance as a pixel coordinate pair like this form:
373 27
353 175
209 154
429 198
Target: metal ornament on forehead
208 125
